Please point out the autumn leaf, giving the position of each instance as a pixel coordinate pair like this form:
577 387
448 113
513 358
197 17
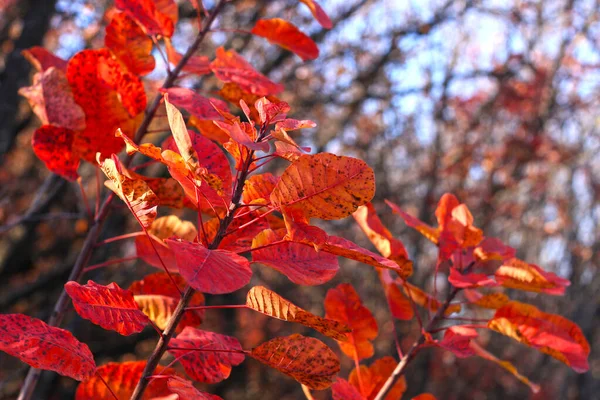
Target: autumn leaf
197 65
122 378
518 274
345 248
52 101
458 339
157 297
195 104
343 304
325 186
140 200
318 13
229 66
147 14
429 232
52 145
126 39
400 306
470 280
270 303
108 306
258 188
42 59
481 352
492 300
240 239
210 271
186 390
549 333
427 301
288 36
307 360
343 390
234 94
379 235
207 363
300 262
45 347
374 377
111 98
238 135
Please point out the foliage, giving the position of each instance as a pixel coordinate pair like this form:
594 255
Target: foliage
92 107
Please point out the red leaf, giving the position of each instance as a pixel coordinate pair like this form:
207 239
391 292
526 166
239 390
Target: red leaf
110 96
288 36
457 339
258 188
147 14
240 240
518 274
318 13
186 390
343 304
238 135
108 306
374 377
424 229
210 271
400 305
52 145
549 333
197 65
195 104
122 378
471 280
299 262
42 59
229 66
130 44
46 347
343 390
204 365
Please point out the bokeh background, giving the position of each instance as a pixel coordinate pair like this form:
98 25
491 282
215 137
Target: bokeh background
496 101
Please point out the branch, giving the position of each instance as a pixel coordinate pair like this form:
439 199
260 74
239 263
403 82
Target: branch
404 361
92 237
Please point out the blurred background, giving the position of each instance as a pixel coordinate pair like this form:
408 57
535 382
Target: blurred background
494 101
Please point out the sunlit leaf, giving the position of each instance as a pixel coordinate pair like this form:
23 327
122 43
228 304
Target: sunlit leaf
325 186
108 306
42 59
195 104
229 66
518 274
300 262
52 145
458 339
197 65
343 304
258 188
306 359
421 227
130 44
549 333
210 271
204 365
288 36
45 347
470 280
374 377
147 14
318 13
122 378
492 300
270 303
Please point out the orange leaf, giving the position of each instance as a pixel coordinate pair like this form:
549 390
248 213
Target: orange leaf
130 44
210 271
150 18
307 360
108 306
204 365
110 96
233 93
240 240
195 104
458 339
229 66
52 145
427 301
492 300
46 347
318 13
198 65
345 248
300 262
400 305
518 274
270 303
379 235
186 390
52 101
325 186
258 188
288 36
122 378
549 333
343 304
481 352
343 390
42 59
470 280
373 378
421 227
140 200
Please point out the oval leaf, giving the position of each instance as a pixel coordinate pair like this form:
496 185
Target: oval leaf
52 145
288 36
108 306
325 186
306 359
46 347
210 271
265 301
